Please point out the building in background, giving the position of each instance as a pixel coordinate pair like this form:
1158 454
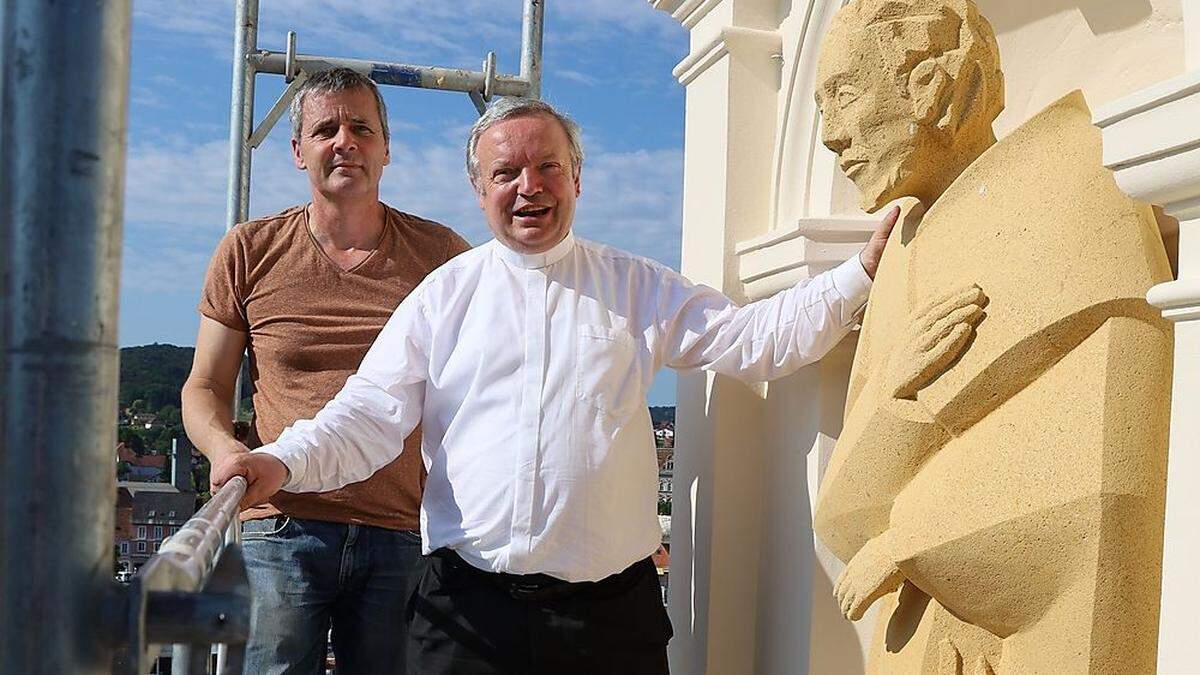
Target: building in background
150 512
765 206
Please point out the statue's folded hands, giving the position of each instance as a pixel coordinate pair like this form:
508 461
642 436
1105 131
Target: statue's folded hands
936 335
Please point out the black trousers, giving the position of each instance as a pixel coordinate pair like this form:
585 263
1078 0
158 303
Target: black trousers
464 621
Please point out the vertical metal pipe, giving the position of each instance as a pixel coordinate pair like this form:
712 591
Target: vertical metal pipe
241 112
531 45
241 125
237 209
63 96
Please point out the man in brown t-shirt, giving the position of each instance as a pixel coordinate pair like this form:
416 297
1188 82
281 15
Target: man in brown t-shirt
305 292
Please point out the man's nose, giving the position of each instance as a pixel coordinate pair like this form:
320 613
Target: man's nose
344 139
834 136
529 182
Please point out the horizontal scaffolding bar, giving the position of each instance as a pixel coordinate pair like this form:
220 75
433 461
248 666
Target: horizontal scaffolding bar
185 561
173 617
398 74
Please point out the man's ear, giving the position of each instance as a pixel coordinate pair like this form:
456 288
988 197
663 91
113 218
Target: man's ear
387 152
578 181
930 89
297 158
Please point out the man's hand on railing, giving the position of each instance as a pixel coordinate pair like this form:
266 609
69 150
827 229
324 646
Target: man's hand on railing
220 453
264 475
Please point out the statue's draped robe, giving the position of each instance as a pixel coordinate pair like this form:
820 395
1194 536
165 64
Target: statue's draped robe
1023 488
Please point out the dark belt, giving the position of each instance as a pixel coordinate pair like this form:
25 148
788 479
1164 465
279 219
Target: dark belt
544 586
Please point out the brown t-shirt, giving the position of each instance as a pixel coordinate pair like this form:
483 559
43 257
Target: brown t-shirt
309 325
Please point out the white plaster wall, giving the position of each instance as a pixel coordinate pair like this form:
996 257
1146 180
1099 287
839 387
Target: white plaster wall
750 588
1107 48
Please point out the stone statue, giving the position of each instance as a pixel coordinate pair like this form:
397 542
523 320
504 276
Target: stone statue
998 483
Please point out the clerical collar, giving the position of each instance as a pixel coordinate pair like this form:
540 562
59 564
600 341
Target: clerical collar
534 261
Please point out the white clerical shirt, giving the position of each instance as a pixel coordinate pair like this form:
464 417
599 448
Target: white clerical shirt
528 374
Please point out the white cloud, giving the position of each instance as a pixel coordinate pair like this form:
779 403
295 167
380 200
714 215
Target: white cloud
177 190
176 169
633 200
416 31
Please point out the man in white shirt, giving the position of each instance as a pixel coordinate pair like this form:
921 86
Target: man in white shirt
527 361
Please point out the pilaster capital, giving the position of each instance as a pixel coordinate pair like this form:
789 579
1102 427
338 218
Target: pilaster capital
1152 144
777 260
687 12
731 40
1179 300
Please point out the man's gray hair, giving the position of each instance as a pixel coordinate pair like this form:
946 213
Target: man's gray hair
508 107
332 81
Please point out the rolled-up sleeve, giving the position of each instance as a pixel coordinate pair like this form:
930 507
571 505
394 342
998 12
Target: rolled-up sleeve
364 426
701 328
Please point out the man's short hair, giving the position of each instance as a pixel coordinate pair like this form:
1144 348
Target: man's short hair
508 107
332 81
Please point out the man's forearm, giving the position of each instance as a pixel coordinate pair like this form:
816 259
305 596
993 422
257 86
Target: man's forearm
208 419
358 432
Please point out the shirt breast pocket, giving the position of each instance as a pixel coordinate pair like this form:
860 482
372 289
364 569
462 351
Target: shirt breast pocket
609 370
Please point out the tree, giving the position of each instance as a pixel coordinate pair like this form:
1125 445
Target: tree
169 415
132 440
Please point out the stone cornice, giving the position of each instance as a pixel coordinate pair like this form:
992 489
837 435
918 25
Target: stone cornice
687 12
777 260
1152 144
731 40
1178 300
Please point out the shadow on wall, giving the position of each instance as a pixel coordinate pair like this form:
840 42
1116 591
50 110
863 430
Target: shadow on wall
799 619
1102 16
835 647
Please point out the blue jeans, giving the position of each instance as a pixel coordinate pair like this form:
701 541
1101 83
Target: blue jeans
312 579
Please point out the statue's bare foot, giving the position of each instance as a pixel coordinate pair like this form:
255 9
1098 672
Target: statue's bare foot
870 575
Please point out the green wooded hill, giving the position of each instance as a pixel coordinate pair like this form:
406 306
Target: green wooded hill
154 374
662 413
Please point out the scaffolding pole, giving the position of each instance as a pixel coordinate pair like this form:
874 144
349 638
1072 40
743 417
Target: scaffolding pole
63 97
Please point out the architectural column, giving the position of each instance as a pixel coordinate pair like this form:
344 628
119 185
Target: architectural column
732 79
1152 143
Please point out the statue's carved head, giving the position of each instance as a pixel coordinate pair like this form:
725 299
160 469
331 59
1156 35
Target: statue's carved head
908 90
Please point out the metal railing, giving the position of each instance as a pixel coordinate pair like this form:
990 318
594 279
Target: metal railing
193 593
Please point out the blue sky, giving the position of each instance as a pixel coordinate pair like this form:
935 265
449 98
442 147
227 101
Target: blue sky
606 62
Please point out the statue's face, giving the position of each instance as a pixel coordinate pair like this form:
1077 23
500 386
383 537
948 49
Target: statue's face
868 120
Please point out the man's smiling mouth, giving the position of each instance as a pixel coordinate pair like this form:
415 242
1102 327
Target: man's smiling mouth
531 211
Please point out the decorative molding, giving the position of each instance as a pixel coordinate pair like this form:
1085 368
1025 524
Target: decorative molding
1152 144
687 12
1179 300
778 259
731 40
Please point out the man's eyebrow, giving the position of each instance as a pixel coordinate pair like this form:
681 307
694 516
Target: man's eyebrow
320 122
830 86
